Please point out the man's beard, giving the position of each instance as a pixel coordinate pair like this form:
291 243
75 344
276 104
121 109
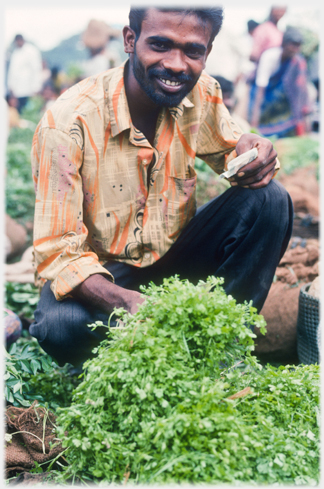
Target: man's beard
160 98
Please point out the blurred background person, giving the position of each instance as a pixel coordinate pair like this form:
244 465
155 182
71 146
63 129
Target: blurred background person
225 57
247 74
267 34
230 101
229 58
103 47
281 103
313 71
25 71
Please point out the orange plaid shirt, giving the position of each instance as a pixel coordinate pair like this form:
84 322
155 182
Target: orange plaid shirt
94 202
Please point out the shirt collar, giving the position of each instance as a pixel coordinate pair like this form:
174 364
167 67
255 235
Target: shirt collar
117 102
118 107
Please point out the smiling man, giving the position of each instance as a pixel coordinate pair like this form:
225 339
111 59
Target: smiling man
113 164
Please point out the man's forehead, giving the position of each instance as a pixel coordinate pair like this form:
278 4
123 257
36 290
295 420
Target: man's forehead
158 20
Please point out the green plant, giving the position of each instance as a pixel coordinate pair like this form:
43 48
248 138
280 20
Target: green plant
208 184
22 361
31 374
21 298
20 193
19 188
297 152
174 395
34 109
54 386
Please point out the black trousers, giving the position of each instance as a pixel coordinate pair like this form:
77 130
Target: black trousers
240 235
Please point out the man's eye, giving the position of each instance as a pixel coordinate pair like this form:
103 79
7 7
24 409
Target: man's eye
194 53
159 45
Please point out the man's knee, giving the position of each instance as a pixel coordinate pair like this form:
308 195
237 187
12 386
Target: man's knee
278 203
272 202
62 328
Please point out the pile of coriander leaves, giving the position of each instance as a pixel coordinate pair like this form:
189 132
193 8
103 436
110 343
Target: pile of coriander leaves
174 395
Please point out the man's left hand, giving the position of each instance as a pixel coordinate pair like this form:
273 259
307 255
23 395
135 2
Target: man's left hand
260 171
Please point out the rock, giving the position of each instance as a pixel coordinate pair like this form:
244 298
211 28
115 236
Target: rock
303 200
28 479
17 235
314 288
304 179
299 265
22 271
13 327
280 312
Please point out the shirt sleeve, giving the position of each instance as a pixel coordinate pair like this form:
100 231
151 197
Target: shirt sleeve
218 132
258 45
268 65
62 254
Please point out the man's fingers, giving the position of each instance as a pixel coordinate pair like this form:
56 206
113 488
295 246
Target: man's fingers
257 180
262 183
257 165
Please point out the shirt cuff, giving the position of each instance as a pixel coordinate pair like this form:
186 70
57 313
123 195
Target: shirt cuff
277 167
74 274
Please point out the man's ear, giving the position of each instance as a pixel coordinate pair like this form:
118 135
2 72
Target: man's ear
129 39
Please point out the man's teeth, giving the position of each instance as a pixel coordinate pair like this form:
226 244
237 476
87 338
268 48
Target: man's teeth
171 83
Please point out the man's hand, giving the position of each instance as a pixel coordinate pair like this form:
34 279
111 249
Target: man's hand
260 171
99 292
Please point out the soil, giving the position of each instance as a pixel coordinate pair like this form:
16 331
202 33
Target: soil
299 265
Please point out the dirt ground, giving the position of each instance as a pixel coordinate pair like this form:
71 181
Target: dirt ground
299 265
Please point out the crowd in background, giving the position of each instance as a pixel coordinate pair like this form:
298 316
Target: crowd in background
268 85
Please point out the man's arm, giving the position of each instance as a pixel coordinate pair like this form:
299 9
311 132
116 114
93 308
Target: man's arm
259 96
99 292
260 171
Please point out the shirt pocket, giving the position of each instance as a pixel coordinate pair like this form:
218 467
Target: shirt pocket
181 207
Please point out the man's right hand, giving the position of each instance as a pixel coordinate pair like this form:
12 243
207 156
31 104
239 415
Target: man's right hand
99 292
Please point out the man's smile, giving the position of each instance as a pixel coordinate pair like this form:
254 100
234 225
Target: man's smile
170 85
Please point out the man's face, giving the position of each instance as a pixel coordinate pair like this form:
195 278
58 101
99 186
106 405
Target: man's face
277 13
170 55
19 43
290 49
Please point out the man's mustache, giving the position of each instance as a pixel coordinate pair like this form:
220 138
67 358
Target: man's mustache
180 77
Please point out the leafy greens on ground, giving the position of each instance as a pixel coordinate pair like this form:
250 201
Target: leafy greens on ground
175 395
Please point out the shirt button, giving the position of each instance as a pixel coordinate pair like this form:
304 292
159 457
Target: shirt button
144 161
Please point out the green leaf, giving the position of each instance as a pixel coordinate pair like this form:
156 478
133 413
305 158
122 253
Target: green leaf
35 365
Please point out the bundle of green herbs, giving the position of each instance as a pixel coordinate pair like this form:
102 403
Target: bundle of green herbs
174 395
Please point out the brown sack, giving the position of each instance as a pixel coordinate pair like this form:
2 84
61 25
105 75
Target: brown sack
17 236
26 446
280 311
299 265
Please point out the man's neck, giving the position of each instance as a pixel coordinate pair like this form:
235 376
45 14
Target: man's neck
144 113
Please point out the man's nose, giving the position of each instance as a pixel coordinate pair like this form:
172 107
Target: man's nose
175 61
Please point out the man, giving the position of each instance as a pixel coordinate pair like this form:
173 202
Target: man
267 34
25 71
100 40
230 102
281 102
113 163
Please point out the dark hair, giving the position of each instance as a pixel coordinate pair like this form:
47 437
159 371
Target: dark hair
292 35
213 15
226 85
252 24
19 37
